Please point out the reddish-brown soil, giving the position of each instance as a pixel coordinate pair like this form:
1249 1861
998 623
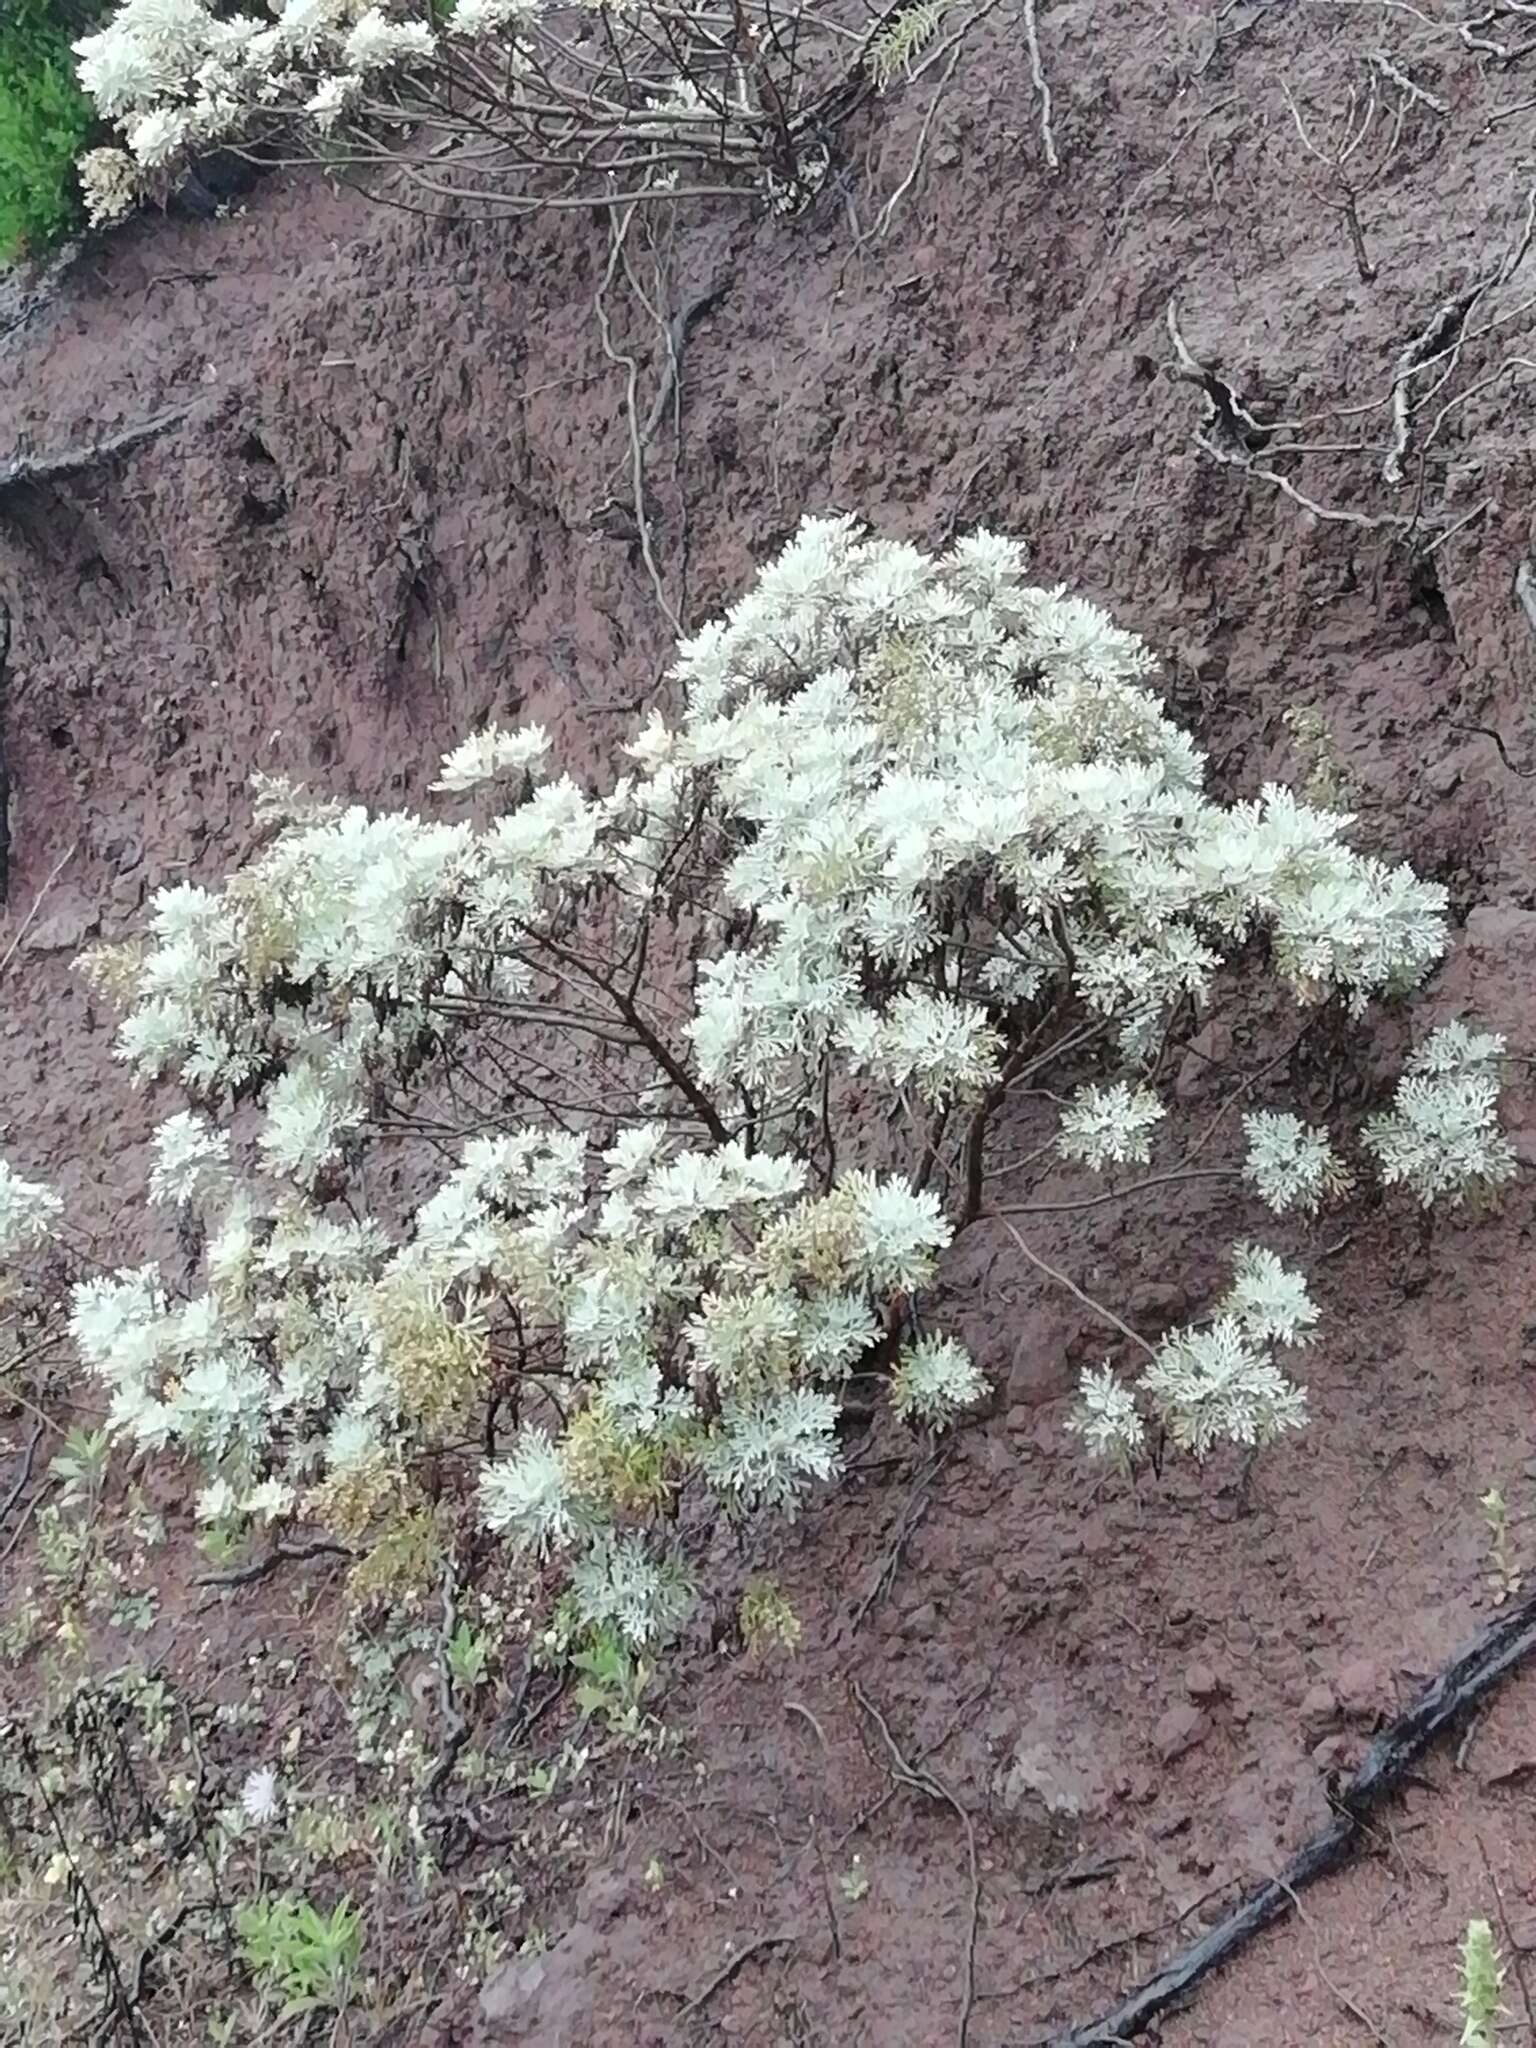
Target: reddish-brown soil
382 521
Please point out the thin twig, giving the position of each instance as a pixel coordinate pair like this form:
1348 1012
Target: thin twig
1343 1997
1087 1300
26 923
796 1707
1399 77
888 211
728 1970
456 1728
916 1506
919 1779
620 226
24 1472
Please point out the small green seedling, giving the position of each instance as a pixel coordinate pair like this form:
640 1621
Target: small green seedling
224 1542
468 1654
1482 1981
82 1465
1504 1577
766 1618
300 1955
854 1882
613 1681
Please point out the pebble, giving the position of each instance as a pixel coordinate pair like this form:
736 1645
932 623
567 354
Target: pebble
1202 1683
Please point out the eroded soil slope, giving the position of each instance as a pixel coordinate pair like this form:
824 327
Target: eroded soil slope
395 505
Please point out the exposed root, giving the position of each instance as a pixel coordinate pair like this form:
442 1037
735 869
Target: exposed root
279 1554
22 470
1464 1682
723 1976
918 1779
917 1505
455 1727
1042 85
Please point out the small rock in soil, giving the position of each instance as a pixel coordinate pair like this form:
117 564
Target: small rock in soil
1179 1731
1202 1684
64 932
922 1622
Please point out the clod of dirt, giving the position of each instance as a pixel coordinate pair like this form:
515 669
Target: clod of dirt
64 931
1203 1684
1332 1753
1178 1731
1362 1688
1319 1711
922 1622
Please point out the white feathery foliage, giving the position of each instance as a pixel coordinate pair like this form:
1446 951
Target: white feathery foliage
1107 1418
935 1379
622 1585
191 1159
1218 1385
1291 1165
1268 1301
29 1213
1110 1126
1214 1383
1441 1138
765 1452
919 829
526 1496
490 753
180 77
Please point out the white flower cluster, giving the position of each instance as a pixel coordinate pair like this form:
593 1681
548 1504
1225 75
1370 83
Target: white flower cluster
1441 1138
109 184
915 815
179 76
1215 1383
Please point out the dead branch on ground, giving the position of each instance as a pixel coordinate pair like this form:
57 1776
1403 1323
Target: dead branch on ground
22 470
1464 1683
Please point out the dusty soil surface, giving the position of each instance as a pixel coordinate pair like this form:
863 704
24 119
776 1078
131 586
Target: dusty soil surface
383 518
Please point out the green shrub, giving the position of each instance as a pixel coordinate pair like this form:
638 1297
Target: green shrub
45 121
